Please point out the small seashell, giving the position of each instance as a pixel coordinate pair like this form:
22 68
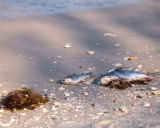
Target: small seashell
153 88
117 44
79 107
117 65
132 58
45 90
125 58
51 80
140 66
52 94
157 93
67 46
123 109
146 104
86 93
44 110
61 89
109 34
156 70
56 103
84 88
1 85
66 94
1 110
90 52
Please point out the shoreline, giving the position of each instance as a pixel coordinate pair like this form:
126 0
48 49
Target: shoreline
32 53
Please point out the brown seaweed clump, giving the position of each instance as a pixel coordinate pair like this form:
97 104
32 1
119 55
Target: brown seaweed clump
120 83
23 98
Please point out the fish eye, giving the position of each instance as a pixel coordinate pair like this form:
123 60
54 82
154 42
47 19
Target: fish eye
63 80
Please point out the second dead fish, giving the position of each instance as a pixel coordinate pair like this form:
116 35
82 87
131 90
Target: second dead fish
132 76
73 79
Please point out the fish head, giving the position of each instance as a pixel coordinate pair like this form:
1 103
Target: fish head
67 81
105 80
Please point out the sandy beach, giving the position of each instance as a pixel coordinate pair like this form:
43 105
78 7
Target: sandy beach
32 55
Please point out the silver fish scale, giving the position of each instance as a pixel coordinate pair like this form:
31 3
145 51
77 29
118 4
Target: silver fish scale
128 74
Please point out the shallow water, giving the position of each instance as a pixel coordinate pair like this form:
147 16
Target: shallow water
21 8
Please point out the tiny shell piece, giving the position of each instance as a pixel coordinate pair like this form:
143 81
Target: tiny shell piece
132 58
117 44
157 93
86 93
67 46
51 80
44 110
61 89
109 34
117 64
140 66
1 110
153 88
125 58
90 52
146 104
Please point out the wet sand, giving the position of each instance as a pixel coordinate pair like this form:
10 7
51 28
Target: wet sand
32 52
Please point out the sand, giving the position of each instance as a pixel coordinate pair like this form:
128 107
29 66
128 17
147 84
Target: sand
32 52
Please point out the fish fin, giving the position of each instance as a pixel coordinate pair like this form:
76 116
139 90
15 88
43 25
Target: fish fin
73 74
120 68
116 69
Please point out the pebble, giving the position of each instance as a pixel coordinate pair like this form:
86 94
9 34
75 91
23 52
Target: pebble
123 109
53 108
84 88
0 85
126 58
153 88
117 65
66 94
109 34
1 110
157 93
51 80
146 104
117 44
44 110
90 52
156 70
140 66
56 103
78 107
61 89
67 46
86 93
73 98
52 94
45 90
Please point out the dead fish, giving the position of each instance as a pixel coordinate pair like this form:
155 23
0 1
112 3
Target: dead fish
72 79
133 76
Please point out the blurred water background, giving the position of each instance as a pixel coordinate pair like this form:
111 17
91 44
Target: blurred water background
22 8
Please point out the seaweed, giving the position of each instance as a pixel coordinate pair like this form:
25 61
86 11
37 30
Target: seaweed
23 98
123 83
120 83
